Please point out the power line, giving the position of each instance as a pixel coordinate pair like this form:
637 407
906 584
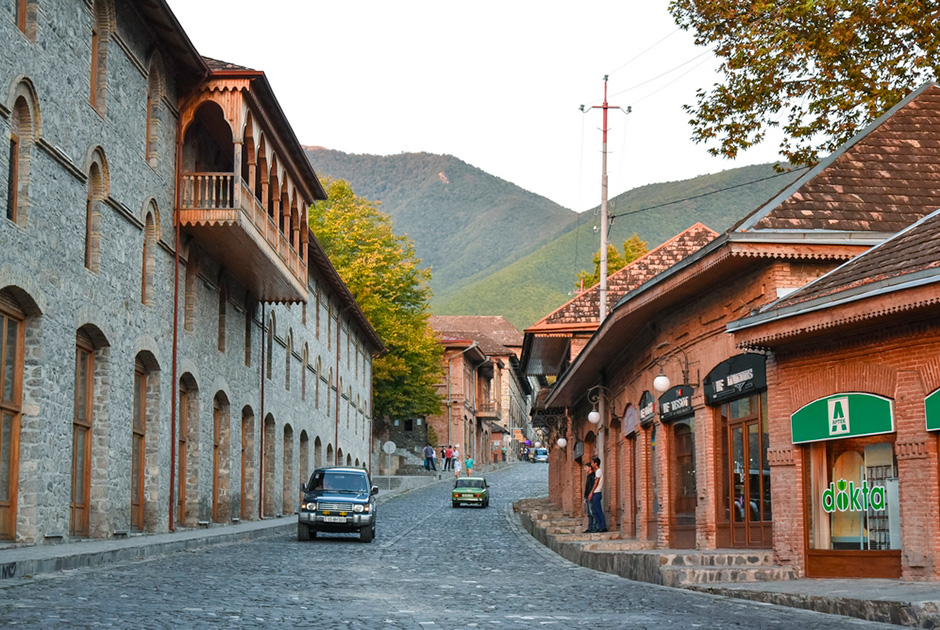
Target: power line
712 192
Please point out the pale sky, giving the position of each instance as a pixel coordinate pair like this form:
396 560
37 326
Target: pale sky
497 84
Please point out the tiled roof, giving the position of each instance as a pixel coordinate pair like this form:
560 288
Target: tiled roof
216 65
916 249
585 307
493 333
883 180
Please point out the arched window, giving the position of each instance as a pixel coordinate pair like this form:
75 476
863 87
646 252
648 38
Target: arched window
102 25
189 288
97 193
151 232
223 304
287 357
270 346
23 134
303 373
156 88
316 381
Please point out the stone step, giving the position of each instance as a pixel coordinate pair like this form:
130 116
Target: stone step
691 574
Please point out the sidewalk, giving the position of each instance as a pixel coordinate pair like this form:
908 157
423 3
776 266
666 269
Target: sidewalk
913 604
23 562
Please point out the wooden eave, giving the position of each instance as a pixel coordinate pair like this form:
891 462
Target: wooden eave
866 315
174 40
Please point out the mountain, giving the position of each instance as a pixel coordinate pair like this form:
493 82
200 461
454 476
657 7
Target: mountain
496 249
464 222
540 282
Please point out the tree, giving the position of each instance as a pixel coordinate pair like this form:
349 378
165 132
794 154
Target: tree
820 70
384 276
633 248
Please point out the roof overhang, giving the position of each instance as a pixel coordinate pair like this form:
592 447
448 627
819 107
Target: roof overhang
622 333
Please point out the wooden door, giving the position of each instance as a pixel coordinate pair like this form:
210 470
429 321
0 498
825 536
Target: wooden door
81 438
11 379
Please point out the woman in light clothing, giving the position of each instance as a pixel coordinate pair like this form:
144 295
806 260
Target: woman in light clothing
456 468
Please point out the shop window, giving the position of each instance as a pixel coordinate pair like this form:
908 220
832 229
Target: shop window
854 496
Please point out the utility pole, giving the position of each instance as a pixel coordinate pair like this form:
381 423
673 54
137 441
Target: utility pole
602 314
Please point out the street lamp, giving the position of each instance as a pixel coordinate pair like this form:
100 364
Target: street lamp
661 383
594 397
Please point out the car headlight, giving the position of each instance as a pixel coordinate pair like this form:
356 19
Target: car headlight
310 507
358 508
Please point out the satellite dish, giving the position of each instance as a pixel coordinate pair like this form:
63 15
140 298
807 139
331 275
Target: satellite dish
389 447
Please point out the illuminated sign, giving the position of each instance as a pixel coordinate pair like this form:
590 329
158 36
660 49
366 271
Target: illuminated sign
844 496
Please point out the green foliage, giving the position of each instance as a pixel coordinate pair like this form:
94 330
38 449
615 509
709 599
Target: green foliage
535 285
383 274
633 248
818 69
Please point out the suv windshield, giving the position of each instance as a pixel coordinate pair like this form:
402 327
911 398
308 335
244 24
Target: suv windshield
338 482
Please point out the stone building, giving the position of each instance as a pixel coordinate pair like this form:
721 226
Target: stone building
710 380
176 347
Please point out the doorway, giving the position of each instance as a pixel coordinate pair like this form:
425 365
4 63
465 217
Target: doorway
745 512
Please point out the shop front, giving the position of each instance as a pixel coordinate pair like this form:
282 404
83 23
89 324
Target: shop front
647 416
677 416
736 390
850 485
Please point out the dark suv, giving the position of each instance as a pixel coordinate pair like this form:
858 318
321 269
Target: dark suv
339 499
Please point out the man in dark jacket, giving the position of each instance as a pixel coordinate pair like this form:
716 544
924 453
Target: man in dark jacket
429 458
588 506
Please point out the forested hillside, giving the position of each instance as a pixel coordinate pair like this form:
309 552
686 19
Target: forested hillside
535 285
496 249
464 222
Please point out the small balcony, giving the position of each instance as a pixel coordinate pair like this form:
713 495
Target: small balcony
232 226
489 410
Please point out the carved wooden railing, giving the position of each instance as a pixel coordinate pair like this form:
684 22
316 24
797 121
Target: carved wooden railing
207 192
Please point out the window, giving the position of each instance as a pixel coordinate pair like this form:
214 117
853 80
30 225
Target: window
26 18
81 435
148 256
97 192
223 302
155 92
22 135
854 495
138 446
287 358
270 346
100 34
12 326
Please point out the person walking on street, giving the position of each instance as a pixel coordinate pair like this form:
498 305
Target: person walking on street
597 495
469 464
429 457
456 467
588 507
449 457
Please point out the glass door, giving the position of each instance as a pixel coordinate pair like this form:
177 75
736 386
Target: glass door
747 502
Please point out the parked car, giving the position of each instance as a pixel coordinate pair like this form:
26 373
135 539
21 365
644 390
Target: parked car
473 490
337 499
541 455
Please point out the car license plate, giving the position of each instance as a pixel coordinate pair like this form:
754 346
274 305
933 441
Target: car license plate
468 496
334 519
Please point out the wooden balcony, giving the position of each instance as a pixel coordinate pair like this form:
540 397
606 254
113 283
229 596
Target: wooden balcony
490 410
232 226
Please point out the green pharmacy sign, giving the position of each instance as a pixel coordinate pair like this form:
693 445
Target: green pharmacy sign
932 405
844 496
842 416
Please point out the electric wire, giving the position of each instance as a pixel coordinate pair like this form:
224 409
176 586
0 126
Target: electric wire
705 194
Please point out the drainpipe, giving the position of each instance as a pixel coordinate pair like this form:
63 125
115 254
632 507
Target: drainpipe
176 300
264 343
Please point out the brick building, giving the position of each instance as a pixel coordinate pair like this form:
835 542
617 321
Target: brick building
485 392
156 377
700 433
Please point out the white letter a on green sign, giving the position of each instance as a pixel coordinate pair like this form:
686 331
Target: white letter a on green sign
838 416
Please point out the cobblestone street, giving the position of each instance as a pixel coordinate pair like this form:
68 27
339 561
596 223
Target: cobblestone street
430 566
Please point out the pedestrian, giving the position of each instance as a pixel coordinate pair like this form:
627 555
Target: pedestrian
469 464
449 457
588 487
429 457
456 467
597 496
